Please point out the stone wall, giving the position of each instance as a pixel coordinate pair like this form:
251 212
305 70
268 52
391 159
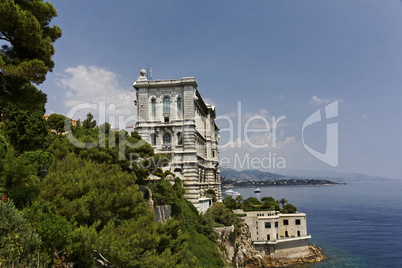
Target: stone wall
286 251
162 213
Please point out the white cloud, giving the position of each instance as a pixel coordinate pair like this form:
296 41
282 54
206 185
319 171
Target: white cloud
318 101
243 155
95 85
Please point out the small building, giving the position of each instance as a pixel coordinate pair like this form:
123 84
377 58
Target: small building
280 236
173 117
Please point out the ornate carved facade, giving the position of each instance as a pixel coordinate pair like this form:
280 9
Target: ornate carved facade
175 120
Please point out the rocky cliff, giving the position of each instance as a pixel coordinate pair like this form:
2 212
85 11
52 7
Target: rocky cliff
237 250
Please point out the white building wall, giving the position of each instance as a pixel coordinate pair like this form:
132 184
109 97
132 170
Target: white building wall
194 158
280 245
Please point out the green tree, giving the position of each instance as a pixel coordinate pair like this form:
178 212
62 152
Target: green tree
268 198
283 202
239 201
163 193
20 176
289 208
19 244
58 122
88 192
138 243
27 54
269 203
221 215
55 230
254 201
105 128
229 202
89 122
26 131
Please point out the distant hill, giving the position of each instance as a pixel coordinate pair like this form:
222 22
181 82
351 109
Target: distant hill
333 175
250 175
282 174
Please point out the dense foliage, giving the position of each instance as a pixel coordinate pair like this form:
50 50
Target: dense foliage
90 206
19 244
252 203
24 25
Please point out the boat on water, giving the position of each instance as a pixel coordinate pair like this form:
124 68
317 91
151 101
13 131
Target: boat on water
231 192
258 190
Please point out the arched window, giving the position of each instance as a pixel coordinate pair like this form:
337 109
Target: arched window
153 107
153 139
179 138
166 138
179 105
166 105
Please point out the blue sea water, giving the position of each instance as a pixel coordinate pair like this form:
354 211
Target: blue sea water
356 225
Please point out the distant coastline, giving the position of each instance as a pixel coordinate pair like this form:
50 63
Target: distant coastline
228 183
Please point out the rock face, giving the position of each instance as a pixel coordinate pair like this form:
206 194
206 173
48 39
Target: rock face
162 213
237 250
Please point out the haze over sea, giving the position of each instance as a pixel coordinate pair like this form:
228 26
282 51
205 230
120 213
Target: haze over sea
356 225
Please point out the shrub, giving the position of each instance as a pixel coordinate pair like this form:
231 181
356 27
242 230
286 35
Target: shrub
19 244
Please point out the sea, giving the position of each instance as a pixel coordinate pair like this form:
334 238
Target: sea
355 225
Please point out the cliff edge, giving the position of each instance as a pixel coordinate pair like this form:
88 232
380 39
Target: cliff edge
237 250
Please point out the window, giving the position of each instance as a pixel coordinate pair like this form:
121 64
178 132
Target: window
298 233
268 225
276 224
153 139
179 105
153 107
166 138
179 138
166 119
166 105
297 222
268 237
213 153
286 234
285 222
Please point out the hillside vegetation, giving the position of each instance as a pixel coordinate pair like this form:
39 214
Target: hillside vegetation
88 208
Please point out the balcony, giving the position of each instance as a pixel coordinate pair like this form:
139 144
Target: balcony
166 147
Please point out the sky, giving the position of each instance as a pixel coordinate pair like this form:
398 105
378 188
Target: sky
267 67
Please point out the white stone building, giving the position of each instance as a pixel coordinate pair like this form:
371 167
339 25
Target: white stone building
175 120
280 236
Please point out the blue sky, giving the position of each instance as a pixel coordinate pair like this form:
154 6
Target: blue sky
278 58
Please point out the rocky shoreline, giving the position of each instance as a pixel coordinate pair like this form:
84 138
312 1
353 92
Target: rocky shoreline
237 250
316 256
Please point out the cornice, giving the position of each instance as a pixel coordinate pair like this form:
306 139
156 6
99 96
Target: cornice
185 81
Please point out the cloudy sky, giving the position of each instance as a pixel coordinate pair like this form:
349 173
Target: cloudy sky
266 65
